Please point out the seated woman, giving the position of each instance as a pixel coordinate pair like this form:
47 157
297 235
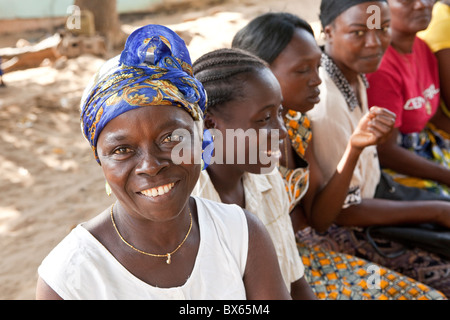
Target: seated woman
287 43
407 83
351 50
436 36
244 97
156 241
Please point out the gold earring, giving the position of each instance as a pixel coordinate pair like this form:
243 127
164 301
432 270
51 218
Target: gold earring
108 188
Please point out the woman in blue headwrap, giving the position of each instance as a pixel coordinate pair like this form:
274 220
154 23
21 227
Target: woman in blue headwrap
142 117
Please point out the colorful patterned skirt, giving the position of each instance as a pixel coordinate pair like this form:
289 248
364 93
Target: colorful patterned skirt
339 276
432 144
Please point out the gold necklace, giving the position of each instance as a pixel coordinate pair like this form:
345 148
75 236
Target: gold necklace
167 255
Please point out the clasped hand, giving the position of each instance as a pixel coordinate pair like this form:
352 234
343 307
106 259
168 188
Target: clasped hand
373 128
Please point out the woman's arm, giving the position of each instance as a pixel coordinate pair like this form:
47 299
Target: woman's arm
44 292
443 57
300 290
388 212
323 204
441 120
262 278
404 161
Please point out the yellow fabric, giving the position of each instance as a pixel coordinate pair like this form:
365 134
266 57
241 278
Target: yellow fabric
437 33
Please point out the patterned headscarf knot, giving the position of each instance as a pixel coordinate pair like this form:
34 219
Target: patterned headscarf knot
154 69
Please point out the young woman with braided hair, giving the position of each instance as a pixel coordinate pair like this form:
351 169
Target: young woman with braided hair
244 96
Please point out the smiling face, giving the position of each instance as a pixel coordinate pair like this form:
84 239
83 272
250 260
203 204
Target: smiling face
259 109
354 46
296 68
135 153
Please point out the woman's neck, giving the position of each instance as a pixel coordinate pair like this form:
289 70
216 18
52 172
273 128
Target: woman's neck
349 74
140 232
227 180
401 42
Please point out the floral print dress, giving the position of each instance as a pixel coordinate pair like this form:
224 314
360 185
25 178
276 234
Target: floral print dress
333 275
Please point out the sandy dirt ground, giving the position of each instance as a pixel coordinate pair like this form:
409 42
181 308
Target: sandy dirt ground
49 180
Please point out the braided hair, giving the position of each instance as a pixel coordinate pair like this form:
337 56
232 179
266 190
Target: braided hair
268 34
223 73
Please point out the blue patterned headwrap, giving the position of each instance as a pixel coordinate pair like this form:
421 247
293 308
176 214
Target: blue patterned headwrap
154 69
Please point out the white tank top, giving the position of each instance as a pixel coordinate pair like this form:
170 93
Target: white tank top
80 267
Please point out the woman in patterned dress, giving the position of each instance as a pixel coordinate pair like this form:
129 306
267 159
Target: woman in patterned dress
244 97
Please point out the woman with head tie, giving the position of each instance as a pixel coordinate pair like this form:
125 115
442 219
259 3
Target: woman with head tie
156 241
